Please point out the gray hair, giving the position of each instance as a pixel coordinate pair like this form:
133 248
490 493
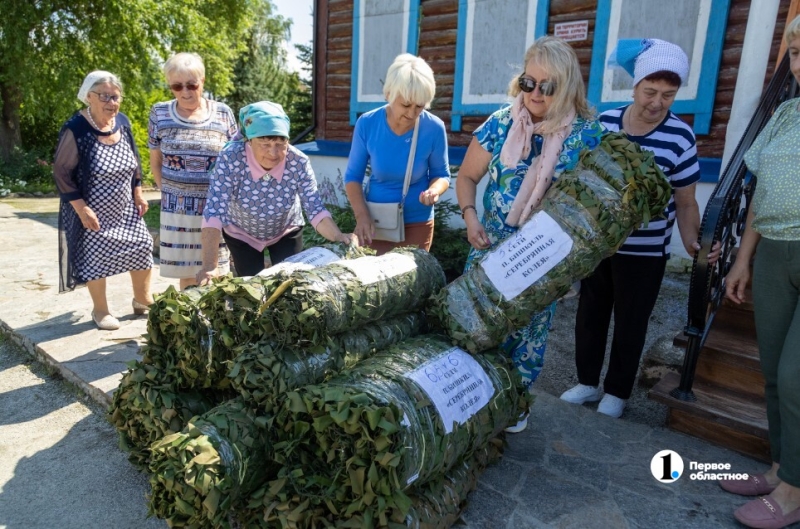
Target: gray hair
412 79
95 78
792 30
188 63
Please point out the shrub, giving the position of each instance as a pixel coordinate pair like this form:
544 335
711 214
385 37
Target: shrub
26 171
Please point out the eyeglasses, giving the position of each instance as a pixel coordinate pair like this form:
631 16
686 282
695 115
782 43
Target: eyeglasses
270 142
105 98
528 85
178 87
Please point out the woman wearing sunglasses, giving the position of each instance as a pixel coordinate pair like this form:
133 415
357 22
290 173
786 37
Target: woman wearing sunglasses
99 177
523 147
627 283
185 136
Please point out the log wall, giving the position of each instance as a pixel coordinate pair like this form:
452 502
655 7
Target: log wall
437 45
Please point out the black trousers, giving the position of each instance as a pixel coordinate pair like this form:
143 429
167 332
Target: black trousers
248 261
627 286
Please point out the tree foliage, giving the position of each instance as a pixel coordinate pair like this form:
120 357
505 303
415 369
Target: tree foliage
261 72
48 46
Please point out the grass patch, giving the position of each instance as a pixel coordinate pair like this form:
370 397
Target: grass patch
153 217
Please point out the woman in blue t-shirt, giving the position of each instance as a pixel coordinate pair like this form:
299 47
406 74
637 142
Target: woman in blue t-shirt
382 138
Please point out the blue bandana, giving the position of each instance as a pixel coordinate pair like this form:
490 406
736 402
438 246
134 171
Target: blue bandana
264 118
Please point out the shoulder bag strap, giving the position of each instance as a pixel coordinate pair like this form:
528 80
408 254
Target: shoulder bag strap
410 166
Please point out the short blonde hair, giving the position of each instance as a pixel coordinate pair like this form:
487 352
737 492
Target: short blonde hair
559 59
189 63
792 30
410 78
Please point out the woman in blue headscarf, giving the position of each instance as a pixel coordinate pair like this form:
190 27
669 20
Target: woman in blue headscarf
258 192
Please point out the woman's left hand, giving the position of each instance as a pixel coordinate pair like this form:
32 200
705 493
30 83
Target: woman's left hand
141 204
428 197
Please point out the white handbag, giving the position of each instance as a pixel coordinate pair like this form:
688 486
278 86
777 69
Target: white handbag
388 216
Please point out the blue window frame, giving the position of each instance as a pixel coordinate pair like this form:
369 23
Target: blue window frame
491 44
702 42
382 29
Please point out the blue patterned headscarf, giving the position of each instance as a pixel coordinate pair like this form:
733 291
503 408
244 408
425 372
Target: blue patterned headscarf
642 57
264 118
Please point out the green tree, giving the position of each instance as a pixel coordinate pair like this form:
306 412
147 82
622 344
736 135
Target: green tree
48 46
261 73
301 106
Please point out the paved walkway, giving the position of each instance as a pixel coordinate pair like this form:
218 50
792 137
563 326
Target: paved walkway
572 467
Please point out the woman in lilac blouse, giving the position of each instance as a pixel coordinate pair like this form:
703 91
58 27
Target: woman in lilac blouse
258 192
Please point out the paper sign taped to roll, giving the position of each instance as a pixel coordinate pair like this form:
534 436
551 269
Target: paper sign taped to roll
522 259
456 384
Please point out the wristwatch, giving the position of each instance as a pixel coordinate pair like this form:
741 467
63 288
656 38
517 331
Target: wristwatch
467 208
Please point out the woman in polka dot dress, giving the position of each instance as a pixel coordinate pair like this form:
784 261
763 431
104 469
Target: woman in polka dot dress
99 176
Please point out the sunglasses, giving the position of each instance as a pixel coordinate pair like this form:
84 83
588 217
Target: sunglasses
528 85
178 87
105 98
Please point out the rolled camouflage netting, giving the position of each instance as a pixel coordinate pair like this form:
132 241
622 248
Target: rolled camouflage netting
262 372
199 474
195 331
332 299
353 446
147 406
436 504
584 218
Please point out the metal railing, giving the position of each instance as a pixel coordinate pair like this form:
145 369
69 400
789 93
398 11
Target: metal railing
724 221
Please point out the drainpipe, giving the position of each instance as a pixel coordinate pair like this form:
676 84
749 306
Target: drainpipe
314 53
752 65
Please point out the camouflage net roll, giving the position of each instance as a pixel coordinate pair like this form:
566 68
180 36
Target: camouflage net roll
147 406
195 331
263 372
585 216
352 447
436 504
342 296
199 475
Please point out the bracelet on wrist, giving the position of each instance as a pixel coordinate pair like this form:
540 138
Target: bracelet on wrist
467 208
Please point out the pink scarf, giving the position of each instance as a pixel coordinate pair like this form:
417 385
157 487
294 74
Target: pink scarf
518 147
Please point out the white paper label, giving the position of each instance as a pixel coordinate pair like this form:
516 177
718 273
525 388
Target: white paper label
456 384
527 255
313 256
305 260
371 269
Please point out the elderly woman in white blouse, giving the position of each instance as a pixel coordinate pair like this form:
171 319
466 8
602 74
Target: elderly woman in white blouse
259 190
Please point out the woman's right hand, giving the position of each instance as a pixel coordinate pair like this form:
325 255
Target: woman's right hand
736 282
204 277
89 219
476 235
365 229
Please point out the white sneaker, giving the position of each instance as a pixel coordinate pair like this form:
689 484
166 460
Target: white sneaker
520 426
611 406
580 394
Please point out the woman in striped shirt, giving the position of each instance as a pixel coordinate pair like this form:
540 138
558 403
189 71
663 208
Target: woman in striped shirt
627 283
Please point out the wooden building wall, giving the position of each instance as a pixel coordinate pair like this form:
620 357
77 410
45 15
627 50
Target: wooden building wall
437 45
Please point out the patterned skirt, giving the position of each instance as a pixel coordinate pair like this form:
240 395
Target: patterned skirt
180 250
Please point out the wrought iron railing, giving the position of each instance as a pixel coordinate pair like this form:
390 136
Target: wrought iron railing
724 221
